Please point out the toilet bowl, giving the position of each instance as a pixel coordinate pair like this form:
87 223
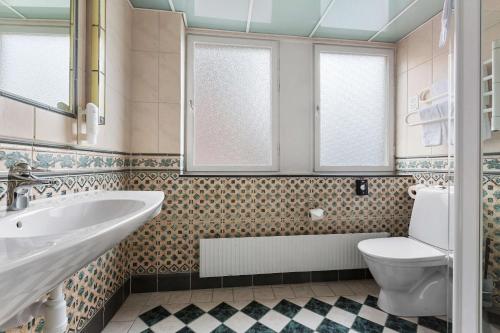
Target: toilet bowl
413 272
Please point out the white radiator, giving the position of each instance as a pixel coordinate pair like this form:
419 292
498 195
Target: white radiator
262 255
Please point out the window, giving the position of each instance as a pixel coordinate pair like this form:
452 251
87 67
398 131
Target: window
232 112
354 109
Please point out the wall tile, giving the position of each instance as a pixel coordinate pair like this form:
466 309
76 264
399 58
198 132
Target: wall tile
145 76
419 78
420 45
169 78
146 30
401 112
169 128
402 56
440 67
144 127
16 119
52 127
170 32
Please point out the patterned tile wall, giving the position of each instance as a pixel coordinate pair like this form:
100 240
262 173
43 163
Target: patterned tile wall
210 207
77 171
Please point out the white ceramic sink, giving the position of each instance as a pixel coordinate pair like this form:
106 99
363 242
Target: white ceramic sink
54 238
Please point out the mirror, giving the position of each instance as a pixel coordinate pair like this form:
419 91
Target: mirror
37 53
96 55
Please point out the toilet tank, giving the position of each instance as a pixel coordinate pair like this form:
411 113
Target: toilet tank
430 221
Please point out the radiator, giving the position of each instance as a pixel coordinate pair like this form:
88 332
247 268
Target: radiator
262 255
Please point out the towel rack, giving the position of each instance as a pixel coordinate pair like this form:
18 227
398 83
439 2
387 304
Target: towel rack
491 85
423 122
422 99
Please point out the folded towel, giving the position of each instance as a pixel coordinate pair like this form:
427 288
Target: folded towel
432 134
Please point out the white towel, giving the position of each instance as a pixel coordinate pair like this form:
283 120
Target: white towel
485 127
432 134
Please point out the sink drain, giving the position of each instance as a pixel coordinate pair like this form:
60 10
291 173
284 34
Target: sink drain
19 224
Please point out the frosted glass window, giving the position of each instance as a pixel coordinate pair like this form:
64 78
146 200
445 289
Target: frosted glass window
232 106
354 111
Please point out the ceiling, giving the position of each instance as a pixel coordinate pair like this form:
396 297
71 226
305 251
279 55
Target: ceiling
375 20
35 9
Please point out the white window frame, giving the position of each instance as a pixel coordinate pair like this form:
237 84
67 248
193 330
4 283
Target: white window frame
190 130
389 54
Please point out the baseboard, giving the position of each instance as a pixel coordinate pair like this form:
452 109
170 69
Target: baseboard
186 281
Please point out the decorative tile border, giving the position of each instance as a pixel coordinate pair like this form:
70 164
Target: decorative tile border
491 164
156 162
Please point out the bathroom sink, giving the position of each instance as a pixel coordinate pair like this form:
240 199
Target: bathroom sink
53 238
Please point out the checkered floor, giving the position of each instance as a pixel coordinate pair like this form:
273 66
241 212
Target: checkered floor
332 314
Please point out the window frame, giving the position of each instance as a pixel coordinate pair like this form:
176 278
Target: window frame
192 40
356 50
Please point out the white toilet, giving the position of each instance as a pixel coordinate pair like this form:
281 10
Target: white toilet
413 272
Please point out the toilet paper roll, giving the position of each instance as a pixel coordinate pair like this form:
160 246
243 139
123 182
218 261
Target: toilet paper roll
316 214
412 190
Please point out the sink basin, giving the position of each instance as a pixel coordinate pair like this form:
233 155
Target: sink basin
53 238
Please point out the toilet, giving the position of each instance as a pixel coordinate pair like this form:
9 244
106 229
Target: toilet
414 272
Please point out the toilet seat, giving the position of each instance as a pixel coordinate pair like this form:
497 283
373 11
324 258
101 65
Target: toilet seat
402 251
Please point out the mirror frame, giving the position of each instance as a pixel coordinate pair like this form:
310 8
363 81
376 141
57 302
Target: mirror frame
73 72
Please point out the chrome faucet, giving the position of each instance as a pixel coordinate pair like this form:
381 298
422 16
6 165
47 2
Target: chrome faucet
20 181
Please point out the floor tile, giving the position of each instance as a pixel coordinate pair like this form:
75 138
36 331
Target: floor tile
348 305
300 301
138 326
318 306
205 323
203 295
186 330
117 327
259 328
328 326
135 299
283 292
189 313
261 293
243 294
366 326
400 325
159 298
179 297
340 288
302 290
240 322
308 318
223 312
223 295
223 329
371 301
255 310
170 324
287 308
274 320
341 316
295 327
128 313
322 290
154 315
373 314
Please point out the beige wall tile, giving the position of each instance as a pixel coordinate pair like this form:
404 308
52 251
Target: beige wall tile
419 78
53 127
420 45
144 76
146 30
401 111
169 78
170 32
440 68
16 119
144 126
402 56
169 128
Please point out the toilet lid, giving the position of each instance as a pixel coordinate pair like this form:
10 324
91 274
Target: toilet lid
400 249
